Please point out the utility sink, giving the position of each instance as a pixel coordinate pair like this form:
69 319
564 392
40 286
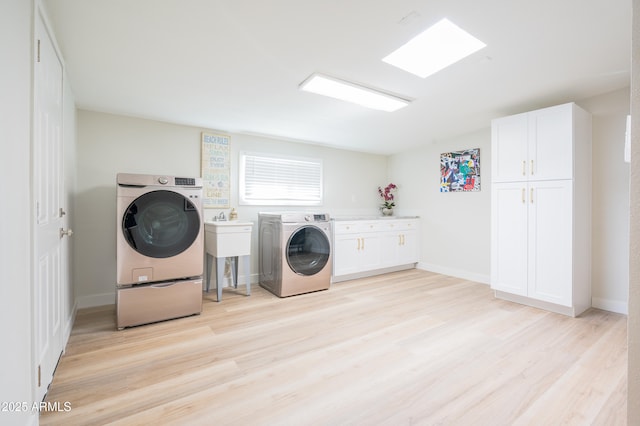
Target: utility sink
226 238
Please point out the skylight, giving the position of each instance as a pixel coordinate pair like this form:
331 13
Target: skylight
436 48
352 92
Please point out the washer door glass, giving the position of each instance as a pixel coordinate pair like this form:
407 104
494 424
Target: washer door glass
308 250
161 224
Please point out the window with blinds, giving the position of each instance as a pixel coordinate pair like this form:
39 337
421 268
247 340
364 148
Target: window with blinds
271 180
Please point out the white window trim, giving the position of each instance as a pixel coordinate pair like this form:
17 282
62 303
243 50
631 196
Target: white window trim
282 194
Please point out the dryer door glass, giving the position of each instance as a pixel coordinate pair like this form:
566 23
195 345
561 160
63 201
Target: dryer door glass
161 224
308 250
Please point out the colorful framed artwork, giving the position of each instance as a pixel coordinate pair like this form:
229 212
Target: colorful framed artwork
216 154
460 171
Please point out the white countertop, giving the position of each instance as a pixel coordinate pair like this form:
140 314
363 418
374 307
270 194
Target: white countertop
350 218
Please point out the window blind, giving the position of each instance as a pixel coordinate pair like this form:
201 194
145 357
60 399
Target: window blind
276 180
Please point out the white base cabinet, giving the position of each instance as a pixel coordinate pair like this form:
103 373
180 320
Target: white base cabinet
532 253
370 247
356 247
541 209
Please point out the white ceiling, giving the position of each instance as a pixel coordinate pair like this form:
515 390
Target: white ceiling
235 65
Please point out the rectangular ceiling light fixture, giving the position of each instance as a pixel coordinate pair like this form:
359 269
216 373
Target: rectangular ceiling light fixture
436 48
352 92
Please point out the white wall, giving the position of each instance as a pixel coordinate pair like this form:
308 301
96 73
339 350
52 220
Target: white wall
456 226
633 331
108 144
15 296
610 201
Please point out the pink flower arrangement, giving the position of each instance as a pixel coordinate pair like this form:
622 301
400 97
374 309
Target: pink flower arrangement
387 195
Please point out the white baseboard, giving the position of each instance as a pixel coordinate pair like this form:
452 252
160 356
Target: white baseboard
616 306
68 326
371 273
226 281
96 300
93 300
454 272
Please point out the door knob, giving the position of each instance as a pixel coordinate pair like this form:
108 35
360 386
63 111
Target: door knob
68 232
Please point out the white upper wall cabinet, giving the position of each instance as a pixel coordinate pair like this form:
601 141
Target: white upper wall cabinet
509 148
533 146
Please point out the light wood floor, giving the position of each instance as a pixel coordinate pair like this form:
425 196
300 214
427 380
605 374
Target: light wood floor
408 348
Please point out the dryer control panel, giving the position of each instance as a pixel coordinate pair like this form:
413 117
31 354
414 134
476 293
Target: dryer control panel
316 217
295 216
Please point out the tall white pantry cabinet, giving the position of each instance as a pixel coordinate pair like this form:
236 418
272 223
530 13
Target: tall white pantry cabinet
541 208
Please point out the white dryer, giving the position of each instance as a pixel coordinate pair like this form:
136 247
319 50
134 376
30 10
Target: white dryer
159 248
295 252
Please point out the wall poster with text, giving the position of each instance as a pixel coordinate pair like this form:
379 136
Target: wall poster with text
216 159
460 171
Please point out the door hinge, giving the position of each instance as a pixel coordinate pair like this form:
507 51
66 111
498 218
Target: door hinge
38 60
39 376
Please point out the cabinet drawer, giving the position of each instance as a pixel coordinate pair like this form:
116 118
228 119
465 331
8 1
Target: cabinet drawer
342 228
157 302
399 225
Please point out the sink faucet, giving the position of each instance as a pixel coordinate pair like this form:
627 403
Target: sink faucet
221 216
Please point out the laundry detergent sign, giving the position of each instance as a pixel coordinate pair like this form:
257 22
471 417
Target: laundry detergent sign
215 170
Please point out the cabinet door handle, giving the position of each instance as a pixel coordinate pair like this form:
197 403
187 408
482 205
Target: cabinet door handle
531 167
402 239
362 243
524 168
358 243
523 200
531 196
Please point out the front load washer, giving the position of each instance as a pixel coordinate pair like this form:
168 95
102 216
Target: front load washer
159 248
160 231
295 252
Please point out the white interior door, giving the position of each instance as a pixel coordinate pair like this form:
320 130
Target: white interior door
48 191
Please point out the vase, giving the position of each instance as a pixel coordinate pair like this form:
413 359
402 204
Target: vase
387 212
